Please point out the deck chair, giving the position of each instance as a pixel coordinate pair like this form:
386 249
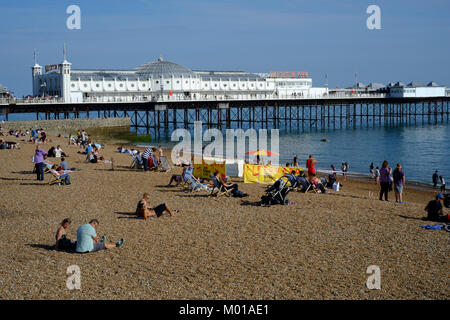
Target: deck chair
311 188
55 179
305 185
192 183
219 189
164 165
137 162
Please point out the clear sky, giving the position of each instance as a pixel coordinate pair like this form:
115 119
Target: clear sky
319 36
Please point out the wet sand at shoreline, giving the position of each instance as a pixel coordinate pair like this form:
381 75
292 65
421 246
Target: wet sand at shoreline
216 248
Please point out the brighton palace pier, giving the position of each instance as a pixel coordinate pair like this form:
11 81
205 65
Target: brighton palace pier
161 96
164 80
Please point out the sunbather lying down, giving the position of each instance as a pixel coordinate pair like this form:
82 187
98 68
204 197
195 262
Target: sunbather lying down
144 211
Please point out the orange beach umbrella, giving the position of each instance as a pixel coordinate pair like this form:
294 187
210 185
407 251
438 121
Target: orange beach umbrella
263 152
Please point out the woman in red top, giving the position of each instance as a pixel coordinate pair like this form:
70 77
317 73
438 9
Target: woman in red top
310 165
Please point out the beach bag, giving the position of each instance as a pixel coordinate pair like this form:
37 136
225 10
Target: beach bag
336 186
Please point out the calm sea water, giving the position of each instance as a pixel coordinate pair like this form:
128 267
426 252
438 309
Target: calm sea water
421 149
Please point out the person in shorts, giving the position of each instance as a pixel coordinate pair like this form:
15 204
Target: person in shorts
144 211
399 182
88 241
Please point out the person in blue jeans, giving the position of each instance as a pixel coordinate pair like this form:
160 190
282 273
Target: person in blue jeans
385 179
39 162
61 176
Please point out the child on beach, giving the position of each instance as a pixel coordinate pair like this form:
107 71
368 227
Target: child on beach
377 175
344 170
144 211
442 183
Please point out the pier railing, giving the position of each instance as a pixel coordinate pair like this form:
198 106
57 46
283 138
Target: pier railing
197 97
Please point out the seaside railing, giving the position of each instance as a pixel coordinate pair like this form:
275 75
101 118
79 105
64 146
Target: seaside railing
197 97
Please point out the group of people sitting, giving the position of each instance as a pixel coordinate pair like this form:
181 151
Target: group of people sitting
38 136
56 152
14 133
61 172
92 152
8 144
217 181
150 159
303 183
42 165
87 239
80 139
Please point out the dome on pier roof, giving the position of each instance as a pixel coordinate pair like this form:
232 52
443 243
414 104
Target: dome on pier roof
164 69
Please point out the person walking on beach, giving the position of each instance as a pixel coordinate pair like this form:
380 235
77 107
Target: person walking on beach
310 165
399 183
371 171
88 241
385 179
435 180
39 162
442 184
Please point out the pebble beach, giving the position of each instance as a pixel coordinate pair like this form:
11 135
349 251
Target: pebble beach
216 247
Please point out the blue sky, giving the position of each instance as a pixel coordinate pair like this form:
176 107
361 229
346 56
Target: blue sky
320 36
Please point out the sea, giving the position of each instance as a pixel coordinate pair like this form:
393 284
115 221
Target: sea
419 148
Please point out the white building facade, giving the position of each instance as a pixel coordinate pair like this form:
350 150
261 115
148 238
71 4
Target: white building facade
163 80
416 90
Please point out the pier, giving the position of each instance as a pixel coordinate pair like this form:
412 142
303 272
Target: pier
160 117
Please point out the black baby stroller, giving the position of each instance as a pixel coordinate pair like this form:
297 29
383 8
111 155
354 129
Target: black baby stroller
276 193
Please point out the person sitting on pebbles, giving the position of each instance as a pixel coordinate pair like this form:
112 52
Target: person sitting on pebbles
144 211
88 241
62 242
